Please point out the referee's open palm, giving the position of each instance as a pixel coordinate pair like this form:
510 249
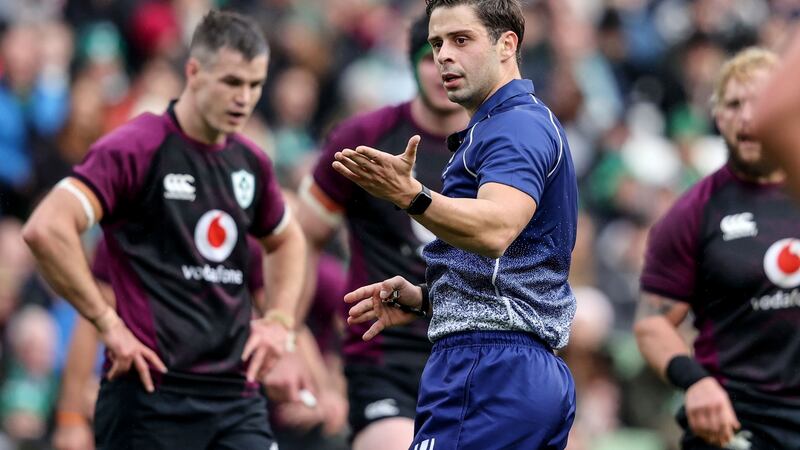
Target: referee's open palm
382 174
370 305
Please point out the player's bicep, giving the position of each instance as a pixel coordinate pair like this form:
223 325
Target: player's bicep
70 202
654 305
514 207
286 230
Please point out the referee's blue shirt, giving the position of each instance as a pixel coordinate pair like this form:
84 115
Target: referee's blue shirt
513 139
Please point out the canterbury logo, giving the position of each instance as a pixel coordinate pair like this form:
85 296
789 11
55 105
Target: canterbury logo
178 186
427 444
738 226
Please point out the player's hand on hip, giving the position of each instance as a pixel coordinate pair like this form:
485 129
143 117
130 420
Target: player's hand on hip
710 413
77 436
382 174
287 378
266 344
125 351
376 302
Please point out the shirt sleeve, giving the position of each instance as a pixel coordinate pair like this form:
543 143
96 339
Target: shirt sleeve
672 247
110 173
271 212
116 165
519 154
256 279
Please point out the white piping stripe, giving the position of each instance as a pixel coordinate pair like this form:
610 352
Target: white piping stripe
560 141
332 219
433 442
82 198
464 155
494 277
501 298
287 214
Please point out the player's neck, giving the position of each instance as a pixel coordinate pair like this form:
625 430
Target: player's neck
435 122
774 177
193 124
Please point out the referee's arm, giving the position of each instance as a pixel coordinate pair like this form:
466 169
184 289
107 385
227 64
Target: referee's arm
486 225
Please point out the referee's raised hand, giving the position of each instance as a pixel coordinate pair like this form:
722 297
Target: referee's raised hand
382 174
125 350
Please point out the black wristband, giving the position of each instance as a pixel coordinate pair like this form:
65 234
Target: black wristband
683 371
392 301
425 306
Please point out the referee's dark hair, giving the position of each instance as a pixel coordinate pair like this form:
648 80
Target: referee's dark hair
498 16
226 29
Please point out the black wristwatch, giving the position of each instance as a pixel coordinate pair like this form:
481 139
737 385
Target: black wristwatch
420 202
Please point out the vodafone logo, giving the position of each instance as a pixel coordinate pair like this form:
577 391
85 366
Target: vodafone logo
215 235
782 263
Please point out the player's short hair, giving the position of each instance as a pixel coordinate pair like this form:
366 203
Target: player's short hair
740 67
226 29
498 16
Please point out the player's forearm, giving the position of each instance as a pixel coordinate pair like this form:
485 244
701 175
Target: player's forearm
309 351
659 341
317 234
58 251
78 368
286 271
475 225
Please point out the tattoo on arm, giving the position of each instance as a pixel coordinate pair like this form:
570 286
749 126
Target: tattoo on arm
654 305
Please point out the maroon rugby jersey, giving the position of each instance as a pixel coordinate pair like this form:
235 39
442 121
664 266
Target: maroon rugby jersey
384 241
255 280
176 214
731 249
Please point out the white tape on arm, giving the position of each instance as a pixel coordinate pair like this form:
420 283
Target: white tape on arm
331 218
81 196
287 215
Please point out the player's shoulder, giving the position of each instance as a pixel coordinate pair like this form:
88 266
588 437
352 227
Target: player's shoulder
685 216
698 196
144 132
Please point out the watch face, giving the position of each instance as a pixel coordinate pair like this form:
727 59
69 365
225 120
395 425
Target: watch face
420 202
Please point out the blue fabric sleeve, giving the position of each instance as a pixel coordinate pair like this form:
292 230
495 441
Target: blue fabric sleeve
519 152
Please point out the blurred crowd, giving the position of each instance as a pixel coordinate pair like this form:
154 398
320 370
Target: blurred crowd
629 79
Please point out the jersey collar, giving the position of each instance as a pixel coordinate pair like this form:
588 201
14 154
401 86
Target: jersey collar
511 94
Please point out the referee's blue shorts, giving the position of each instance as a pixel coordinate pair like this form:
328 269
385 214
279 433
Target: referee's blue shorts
493 390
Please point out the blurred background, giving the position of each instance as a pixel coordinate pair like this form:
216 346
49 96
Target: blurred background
629 79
